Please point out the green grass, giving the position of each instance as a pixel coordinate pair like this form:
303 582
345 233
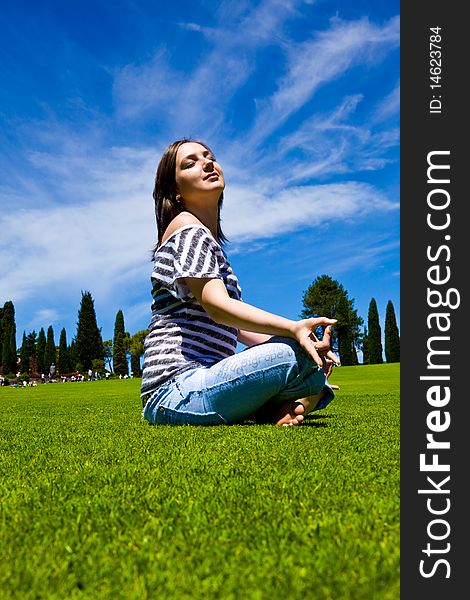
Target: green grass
96 504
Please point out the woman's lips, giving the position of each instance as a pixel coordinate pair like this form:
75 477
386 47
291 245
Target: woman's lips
211 175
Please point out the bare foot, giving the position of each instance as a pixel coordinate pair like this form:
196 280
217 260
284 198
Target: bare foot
289 414
310 402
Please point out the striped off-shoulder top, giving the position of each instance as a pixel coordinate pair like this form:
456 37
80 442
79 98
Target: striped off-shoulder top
181 334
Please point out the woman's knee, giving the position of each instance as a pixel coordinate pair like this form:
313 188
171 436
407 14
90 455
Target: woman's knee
287 347
277 350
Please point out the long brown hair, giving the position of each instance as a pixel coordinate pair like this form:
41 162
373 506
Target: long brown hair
167 205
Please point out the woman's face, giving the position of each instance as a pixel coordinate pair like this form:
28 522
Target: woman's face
198 175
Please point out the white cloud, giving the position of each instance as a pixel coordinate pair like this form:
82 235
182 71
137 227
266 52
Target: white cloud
251 215
94 244
334 143
44 315
147 88
196 100
388 107
318 61
98 239
136 314
367 257
192 27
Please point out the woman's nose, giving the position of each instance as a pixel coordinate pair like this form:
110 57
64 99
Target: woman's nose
208 165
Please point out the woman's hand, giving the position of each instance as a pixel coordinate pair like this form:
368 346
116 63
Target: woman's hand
320 351
329 359
324 350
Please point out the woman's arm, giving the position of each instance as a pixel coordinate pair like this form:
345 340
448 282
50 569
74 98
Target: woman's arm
213 297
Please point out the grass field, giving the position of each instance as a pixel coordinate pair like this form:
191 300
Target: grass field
96 504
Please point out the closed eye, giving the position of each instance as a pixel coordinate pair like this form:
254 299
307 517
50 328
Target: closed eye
192 158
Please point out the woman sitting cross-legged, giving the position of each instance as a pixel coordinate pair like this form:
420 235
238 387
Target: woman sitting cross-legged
192 373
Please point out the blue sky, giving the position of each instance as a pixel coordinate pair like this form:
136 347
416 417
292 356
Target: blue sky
298 99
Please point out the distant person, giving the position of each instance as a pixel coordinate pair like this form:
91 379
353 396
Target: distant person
90 375
191 373
107 375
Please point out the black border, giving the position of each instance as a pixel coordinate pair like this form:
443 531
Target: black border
423 132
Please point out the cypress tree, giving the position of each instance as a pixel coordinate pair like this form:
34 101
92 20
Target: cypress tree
24 355
375 335
355 360
9 358
1 338
73 356
41 351
32 351
50 354
88 341
63 363
344 335
365 347
135 366
392 337
120 365
31 340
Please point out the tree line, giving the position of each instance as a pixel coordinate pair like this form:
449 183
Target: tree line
87 350
327 297
39 354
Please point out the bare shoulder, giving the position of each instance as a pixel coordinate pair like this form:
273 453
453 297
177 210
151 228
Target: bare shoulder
182 220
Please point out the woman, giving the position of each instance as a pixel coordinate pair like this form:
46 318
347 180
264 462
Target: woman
191 373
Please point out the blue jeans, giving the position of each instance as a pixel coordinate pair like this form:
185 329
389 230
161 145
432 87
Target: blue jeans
232 389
